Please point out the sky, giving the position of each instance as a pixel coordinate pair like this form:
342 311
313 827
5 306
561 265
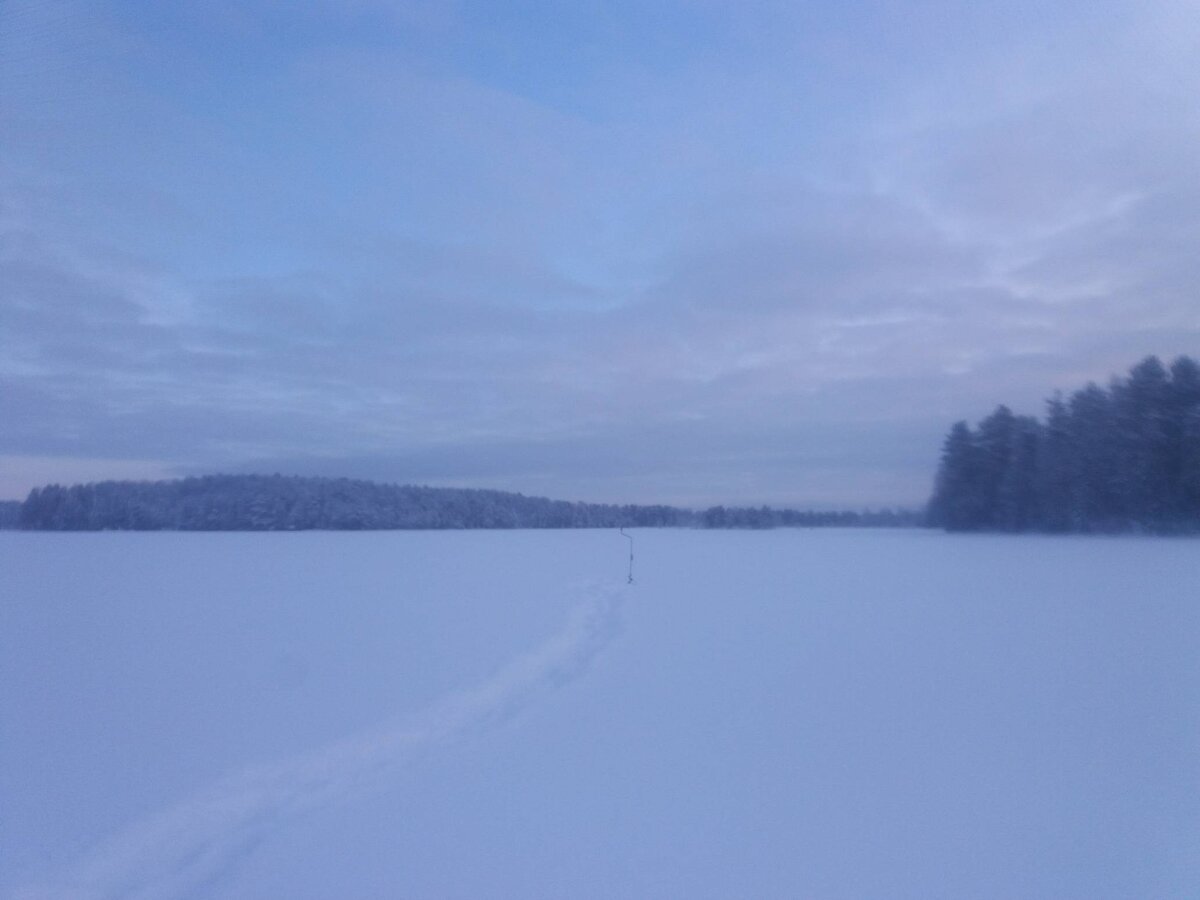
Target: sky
685 251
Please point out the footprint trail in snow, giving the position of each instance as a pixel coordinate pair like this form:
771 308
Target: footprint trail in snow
194 844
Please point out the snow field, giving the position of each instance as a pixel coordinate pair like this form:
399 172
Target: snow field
495 714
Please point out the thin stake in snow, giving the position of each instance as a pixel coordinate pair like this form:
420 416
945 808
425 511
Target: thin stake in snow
630 538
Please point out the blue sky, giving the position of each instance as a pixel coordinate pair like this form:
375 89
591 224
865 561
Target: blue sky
684 252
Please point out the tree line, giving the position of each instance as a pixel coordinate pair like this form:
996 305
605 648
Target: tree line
1121 458
294 503
766 517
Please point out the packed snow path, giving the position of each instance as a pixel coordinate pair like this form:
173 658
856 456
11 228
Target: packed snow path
194 844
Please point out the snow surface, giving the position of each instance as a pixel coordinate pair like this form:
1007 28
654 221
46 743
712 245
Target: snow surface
478 714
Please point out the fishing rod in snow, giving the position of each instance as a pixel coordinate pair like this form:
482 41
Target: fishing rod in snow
629 537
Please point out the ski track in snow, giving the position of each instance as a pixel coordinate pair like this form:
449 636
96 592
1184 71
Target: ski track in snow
189 848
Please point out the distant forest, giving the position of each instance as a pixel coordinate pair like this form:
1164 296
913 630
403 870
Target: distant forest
1125 458
278 503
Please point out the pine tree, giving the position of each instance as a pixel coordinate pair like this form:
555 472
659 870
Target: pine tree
1018 507
1141 415
1183 463
1098 499
959 501
1054 479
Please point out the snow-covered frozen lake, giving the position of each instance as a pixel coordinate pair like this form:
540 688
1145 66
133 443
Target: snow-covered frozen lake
792 714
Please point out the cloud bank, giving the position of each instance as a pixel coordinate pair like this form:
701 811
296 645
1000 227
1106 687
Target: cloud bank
671 253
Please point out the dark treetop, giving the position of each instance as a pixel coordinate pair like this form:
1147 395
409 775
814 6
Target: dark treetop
1121 458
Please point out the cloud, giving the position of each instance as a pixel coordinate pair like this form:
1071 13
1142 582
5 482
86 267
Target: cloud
311 246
